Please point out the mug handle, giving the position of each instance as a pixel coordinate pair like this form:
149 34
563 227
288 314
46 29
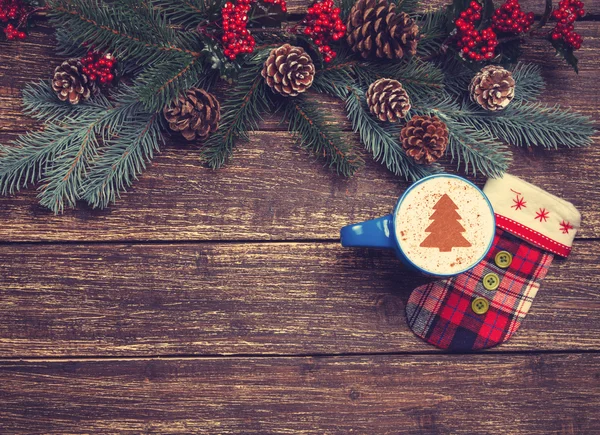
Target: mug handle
376 233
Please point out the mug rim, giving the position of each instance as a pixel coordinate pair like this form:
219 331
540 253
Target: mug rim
401 199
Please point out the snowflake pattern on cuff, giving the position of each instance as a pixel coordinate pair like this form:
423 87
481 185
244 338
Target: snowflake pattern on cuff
542 214
565 227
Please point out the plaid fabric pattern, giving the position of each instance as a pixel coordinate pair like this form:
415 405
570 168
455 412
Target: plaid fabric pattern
441 313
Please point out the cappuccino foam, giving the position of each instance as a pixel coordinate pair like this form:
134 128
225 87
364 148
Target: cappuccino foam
444 225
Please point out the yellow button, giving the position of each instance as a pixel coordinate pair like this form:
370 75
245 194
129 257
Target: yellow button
491 281
503 259
480 305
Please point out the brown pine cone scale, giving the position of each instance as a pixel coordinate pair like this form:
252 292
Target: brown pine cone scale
424 138
375 29
493 88
388 100
288 70
70 83
195 114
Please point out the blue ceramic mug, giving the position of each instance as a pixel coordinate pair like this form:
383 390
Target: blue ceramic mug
442 225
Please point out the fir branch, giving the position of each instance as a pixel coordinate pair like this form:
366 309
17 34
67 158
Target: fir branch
41 103
63 154
34 153
418 78
529 83
382 140
346 6
122 160
478 150
160 84
189 13
335 79
67 46
313 131
433 32
458 75
128 28
379 139
534 124
239 118
408 6
62 179
242 111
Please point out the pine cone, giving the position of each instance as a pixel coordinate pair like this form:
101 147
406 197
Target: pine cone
388 100
196 114
376 29
492 88
70 83
289 70
424 138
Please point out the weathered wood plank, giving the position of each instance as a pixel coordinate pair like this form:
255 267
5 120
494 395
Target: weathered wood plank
433 394
282 298
271 191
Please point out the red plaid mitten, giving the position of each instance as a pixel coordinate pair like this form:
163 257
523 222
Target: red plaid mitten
484 306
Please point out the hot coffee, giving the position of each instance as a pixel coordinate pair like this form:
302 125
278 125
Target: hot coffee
444 226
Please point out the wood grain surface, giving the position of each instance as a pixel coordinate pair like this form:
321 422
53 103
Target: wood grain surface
403 394
220 302
275 298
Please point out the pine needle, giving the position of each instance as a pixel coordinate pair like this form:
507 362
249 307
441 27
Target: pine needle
382 140
242 111
315 132
534 124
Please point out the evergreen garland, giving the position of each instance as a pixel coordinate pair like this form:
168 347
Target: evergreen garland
95 150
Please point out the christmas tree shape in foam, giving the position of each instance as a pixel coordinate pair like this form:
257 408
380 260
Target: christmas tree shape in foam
445 229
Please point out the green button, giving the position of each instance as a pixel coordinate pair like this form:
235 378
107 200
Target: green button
491 281
480 305
503 259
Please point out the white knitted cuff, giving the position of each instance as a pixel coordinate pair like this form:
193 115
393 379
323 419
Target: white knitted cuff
533 214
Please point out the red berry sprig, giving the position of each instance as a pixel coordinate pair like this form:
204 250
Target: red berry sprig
11 12
567 13
509 18
323 25
236 37
99 67
473 44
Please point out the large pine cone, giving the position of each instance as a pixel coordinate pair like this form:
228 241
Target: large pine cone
388 100
493 88
289 70
70 83
424 138
195 114
376 29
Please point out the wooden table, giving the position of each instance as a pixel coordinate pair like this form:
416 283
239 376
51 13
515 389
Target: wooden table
222 302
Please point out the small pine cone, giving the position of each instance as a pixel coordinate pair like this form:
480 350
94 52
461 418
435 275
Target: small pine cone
388 100
289 70
375 29
195 114
424 138
70 83
493 88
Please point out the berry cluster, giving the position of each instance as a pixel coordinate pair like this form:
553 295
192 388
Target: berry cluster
568 11
323 24
509 18
99 67
236 37
12 10
473 44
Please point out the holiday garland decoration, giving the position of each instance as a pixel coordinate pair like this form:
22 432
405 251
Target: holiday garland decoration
416 86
